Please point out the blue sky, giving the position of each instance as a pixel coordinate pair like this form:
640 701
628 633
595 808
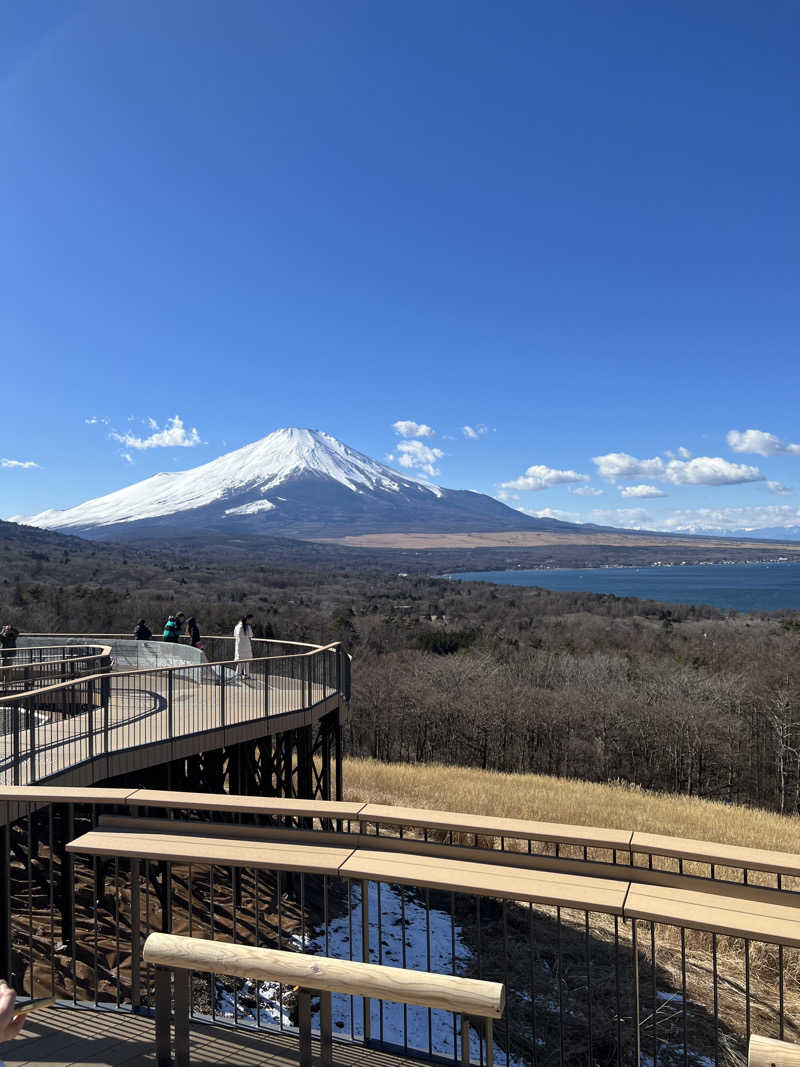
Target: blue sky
574 225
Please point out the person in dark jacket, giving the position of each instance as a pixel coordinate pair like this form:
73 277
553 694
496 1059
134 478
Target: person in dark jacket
143 631
193 630
173 628
8 642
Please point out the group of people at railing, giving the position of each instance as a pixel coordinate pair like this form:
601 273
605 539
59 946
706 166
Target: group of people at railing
178 626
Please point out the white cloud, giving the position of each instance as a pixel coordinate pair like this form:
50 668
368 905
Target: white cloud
474 432
703 470
127 457
615 465
631 518
23 464
539 477
104 419
408 428
551 513
586 490
642 490
760 442
419 456
173 435
779 489
711 470
504 494
731 519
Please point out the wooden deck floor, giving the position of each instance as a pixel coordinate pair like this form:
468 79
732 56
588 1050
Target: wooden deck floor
139 714
64 1037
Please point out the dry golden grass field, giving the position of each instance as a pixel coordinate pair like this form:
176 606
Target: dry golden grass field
620 806
531 796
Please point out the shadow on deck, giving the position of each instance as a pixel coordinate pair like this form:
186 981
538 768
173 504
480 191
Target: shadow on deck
79 1037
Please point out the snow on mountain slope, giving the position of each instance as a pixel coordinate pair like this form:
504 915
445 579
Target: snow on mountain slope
243 478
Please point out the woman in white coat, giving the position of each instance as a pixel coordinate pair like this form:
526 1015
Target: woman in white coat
243 633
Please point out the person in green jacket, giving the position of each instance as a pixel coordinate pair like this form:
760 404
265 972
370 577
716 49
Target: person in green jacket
173 628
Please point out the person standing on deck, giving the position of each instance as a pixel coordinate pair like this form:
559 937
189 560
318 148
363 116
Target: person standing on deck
243 633
193 630
8 643
142 631
173 628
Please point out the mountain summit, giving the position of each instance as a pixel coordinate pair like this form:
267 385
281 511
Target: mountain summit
300 483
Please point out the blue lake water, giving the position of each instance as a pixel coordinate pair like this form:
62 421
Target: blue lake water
741 586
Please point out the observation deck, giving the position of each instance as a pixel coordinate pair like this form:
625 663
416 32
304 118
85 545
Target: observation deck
184 800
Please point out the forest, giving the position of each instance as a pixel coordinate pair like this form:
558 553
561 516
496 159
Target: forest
681 699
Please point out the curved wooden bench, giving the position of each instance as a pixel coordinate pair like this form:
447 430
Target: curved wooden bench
466 997
723 911
764 1052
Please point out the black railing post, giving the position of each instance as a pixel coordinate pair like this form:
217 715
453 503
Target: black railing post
266 688
90 698
222 696
365 954
15 744
170 723
31 740
183 1007
5 900
325 1029
304 1025
163 1051
136 941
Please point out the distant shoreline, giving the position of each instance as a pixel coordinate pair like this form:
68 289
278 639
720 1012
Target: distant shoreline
626 567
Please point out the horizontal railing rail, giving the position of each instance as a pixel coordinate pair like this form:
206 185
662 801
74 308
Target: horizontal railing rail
593 974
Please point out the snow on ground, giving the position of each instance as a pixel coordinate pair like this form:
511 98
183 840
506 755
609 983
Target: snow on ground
444 953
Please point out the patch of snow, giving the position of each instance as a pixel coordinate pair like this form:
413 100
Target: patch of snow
252 508
444 952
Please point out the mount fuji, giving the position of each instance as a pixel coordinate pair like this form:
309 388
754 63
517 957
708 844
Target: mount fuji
293 483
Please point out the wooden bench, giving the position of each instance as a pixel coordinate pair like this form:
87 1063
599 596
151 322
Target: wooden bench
764 1052
718 908
466 997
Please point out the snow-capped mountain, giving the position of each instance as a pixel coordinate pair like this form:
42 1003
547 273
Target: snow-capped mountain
301 483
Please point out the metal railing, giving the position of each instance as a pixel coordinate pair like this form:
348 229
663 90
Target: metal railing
584 985
52 728
23 669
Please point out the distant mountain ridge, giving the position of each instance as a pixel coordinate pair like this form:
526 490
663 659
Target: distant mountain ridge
294 482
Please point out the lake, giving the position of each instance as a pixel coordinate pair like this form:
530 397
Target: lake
741 586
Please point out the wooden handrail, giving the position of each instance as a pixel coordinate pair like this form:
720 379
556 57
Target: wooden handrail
441 991
764 1052
710 852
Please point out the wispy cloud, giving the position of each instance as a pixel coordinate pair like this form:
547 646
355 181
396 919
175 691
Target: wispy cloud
415 455
409 428
173 435
779 489
127 457
540 477
702 470
760 443
586 490
642 490
22 464
732 520
472 433
95 419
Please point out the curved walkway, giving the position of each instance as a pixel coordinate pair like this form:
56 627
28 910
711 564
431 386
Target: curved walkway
103 725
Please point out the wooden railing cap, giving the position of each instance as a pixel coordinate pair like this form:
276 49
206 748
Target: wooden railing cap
396 984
